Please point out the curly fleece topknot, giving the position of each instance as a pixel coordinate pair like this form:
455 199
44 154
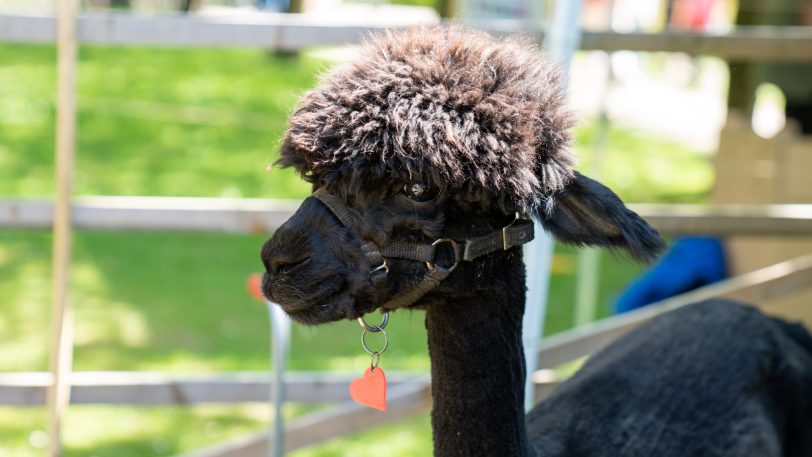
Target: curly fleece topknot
450 105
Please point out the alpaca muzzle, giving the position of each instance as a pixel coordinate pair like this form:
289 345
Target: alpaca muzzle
518 232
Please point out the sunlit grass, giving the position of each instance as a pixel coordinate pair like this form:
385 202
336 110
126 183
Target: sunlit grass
128 431
153 121
124 431
407 438
643 168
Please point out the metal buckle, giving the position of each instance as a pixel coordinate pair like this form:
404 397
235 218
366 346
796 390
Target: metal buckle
453 244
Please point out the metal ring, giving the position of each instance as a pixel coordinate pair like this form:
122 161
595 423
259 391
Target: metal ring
374 328
453 243
374 360
366 348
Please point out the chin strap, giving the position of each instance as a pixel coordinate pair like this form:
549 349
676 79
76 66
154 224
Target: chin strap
518 232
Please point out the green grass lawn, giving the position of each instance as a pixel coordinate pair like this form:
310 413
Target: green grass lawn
206 123
153 121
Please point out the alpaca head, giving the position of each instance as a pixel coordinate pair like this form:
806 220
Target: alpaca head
431 134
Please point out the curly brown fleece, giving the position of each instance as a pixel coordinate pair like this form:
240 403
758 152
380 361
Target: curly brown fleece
447 105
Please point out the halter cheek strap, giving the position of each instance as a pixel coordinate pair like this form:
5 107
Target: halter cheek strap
518 232
378 268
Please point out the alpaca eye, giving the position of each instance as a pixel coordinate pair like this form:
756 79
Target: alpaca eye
420 192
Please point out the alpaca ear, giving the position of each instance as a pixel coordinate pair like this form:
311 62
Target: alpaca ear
587 212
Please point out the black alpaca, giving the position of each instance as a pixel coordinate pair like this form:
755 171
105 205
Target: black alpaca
711 379
445 134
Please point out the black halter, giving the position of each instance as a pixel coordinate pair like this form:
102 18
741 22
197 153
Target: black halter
518 232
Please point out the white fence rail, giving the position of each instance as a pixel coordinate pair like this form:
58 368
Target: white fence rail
768 283
298 31
154 388
264 30
154 213
339 420
260 215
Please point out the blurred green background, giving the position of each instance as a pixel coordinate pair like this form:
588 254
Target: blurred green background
156 121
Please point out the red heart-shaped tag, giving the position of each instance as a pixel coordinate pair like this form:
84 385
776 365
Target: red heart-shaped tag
370 389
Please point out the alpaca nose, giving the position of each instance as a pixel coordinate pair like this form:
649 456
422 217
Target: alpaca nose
284 253
285 264
296 242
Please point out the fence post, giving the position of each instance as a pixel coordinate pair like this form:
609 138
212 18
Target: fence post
61 314
561 41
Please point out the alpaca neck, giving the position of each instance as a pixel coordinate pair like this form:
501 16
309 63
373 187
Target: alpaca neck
478 370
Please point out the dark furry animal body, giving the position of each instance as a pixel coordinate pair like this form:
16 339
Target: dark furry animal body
437 134
710 380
